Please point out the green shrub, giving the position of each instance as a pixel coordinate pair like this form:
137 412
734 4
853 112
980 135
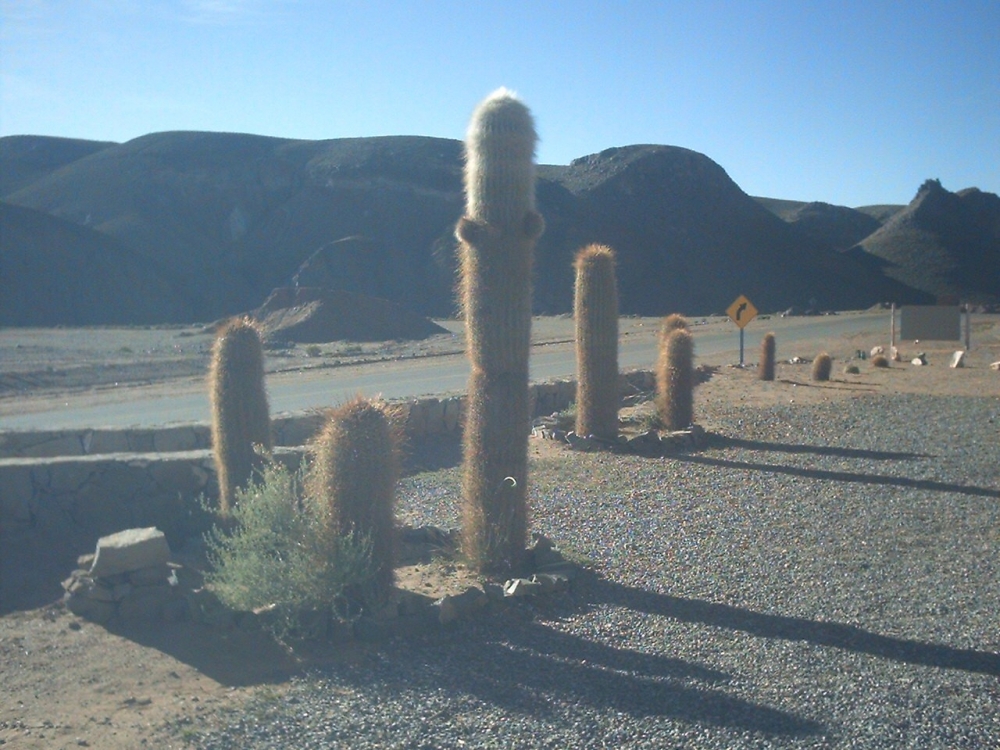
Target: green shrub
313 350
822 366
276 554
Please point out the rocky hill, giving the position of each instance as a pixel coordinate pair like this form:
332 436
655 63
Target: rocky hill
943 243
221 219
55 272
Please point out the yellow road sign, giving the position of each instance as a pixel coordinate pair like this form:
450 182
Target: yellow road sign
742 311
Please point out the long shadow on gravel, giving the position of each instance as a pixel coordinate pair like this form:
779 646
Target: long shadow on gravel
833 634
531 668
841 476
723 441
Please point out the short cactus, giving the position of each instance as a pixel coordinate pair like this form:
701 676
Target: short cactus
767 352
240 417
596 314
354 475
497 237
675 379
822 366
880 360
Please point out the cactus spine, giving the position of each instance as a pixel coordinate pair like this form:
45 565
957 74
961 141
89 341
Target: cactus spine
672 322
240 418
595 304
497 236
767 351
675 379
354 476
822 366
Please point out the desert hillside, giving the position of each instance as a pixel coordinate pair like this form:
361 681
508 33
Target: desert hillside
222 219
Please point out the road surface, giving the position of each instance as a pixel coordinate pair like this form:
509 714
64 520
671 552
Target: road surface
186 400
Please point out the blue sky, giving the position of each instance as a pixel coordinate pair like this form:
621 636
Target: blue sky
850 103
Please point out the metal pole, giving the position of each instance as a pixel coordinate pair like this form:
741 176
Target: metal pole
968 327
741 347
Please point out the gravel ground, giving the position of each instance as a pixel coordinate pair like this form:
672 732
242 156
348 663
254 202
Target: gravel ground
823 576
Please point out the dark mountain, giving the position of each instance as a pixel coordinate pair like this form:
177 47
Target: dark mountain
26 158
54 272
943 243
226 218
837 226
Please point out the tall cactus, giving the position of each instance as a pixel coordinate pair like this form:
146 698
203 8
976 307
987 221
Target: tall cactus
240 418
497 237
767 352
354 475
675 379
595 308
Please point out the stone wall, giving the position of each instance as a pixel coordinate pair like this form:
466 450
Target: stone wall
80 485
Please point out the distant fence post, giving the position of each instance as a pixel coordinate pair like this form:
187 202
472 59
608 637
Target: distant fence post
892 327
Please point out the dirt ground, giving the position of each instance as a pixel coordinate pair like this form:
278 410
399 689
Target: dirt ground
70 683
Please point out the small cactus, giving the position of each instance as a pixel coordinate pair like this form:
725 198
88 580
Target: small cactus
596 314
354 476
880 360
822 366
240 417
497 238
767 353
675 379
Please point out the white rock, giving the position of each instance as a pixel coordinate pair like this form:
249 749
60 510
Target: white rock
957 359
132 549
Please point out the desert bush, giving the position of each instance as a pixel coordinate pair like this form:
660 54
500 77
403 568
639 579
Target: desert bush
354 478
767 354
240 417
675 379
313 350
880 360
497 237
595 309
276 554
822 366
851 370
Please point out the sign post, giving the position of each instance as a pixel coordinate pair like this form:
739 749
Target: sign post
741 312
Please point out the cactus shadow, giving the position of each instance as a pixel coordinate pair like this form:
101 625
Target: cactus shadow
842 476
723 441
533 668
820 633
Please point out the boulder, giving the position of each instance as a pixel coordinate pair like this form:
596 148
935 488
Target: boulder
129 550
957 360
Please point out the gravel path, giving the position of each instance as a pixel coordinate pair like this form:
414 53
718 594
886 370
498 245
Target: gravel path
826 576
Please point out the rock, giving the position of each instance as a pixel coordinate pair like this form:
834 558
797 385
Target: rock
521 587
646 443
94 610
995 365
459 606
152 576
542 552
957 360
145 604
129 550
878 350
919 361
579 442
894 354
550 582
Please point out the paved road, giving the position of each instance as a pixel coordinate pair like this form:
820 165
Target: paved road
186 401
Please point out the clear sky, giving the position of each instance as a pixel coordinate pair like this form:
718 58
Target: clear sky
846 102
